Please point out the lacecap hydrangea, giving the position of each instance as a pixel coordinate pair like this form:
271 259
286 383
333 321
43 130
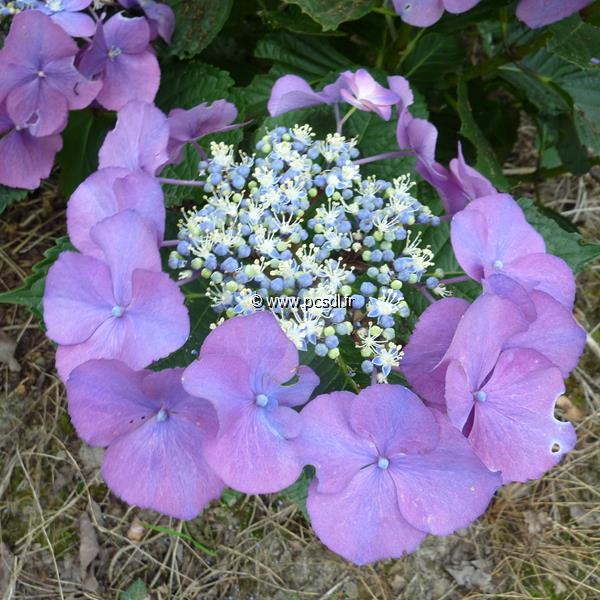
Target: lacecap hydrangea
272 231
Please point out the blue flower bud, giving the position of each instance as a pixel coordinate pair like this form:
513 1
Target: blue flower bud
367 288
367 367
321 350
331 341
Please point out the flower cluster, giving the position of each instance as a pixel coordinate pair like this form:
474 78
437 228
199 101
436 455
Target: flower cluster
41 82
534 13
287 221
297 218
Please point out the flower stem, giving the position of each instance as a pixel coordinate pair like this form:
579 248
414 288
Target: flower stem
343 120
186 182
459 279
169 243
426 293
383 156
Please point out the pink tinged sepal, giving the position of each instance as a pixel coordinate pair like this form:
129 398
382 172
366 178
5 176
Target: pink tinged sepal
422 362
139 140
537 13
291 92
155 434
514 430
108 192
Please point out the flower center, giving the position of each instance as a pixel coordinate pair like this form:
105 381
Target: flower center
117 311
162 415
114 52
480 396
383 463
498 264
262 400
41 74
54 5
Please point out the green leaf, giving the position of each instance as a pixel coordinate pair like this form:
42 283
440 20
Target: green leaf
310 57
298 491
293 19
82 140
433 56
31 293
197 23
9 196
487 162
575 41
185 85
560 241
331 13
136 591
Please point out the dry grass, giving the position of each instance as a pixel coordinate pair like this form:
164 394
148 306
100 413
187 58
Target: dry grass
540 540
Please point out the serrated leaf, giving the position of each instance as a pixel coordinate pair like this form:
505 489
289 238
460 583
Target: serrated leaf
82 139
575 41
185 85
197 23
433 56
310 57
487 162
293 19
331 13
136 591
568 245
31 293
9 196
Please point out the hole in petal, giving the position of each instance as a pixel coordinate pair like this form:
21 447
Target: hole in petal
555 448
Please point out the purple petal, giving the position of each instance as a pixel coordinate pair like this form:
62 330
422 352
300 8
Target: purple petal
291 92
459 6
106 400
554 333
473 184
131 35
258 341
401 87
329 443
491 232
514 429
224 382
453 196
161 466
362 523
509 289
427 345
446 489
394 420
78 298
75 24
26 160
252 453
481 334
546 273
537 13
128 78
421 13
188 125
139 140
128 242
299 392
417 134
363 92
155 324
162 17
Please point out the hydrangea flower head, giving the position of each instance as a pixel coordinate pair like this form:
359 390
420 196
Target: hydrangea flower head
119 307
504 400
388 471
155 433
245 369
66 13
38 80
119 55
